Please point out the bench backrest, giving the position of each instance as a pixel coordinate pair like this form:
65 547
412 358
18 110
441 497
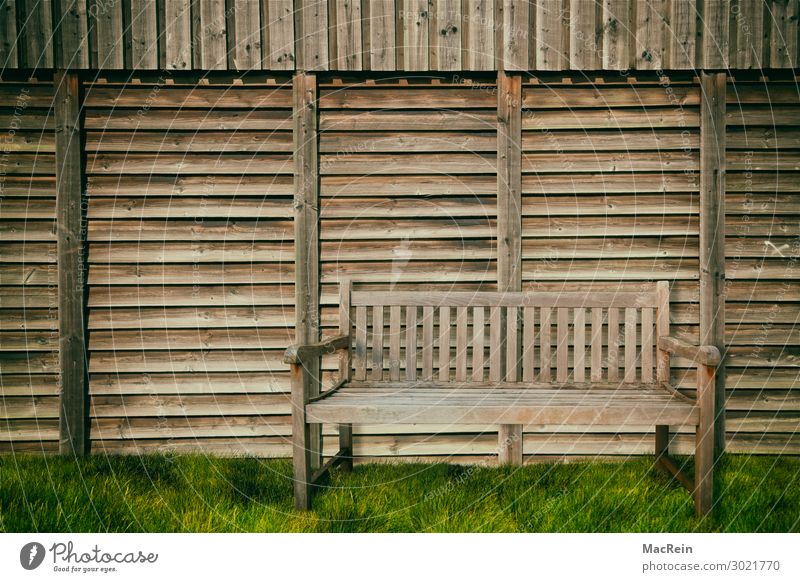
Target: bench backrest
480 337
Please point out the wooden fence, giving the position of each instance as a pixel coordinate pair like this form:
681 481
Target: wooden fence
402 35
189 240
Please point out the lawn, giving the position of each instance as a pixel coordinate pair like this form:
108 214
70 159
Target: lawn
201 494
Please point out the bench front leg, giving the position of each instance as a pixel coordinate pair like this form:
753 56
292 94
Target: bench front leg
704 441
301 440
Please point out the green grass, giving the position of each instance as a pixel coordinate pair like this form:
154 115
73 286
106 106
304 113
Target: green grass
200 494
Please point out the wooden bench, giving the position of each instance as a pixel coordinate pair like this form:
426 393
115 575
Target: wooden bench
507 359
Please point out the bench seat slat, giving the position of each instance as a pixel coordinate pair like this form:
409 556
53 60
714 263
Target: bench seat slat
586 406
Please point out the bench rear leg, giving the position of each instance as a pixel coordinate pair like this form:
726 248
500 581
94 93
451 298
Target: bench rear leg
346 446
662 441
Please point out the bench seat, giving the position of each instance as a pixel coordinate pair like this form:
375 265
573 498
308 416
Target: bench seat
551 403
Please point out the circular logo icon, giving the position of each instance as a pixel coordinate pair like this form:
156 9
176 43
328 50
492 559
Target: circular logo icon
31 555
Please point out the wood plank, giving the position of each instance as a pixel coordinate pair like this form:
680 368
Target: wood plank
306 237
395 313
631 345
715 31
8 35
415 26
584 41
311 26
461 344
513 39
445 36
360 352
544 344
71 34
748 30
279 49
579 358
496 344
782 19
347 34
647 344
613 344
444 343
411 343
37 43
478 355
562 345
652 43
106 23
178 35
380 22
551 37
73 421
509 186
528 344
377 343
143 34
512 351
682 34
617 34
596 374
427 343
478 37
712 232
246 53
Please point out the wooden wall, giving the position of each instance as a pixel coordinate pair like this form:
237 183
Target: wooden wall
28 271
408 188
610 189
404 35
762 252
190 242
190 266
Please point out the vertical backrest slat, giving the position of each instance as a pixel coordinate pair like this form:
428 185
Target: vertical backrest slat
360 354
662 328
411 342
512 345
444 343
579 354
597 344
613 344
344 328
528 341
427 343
477 344
562 347
395 313
496 343
630 344
647 345
544 344
377 343
461 343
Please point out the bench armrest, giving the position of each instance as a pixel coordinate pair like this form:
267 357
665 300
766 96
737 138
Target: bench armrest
706 355
297 354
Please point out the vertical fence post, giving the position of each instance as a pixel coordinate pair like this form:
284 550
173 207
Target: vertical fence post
306 237
73 373
509 221
712 232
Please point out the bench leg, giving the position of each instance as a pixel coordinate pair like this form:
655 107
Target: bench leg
346 446
704 443
301 441
509 446
662 441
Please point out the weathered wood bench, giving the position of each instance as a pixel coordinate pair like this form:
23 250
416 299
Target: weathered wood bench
508 359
